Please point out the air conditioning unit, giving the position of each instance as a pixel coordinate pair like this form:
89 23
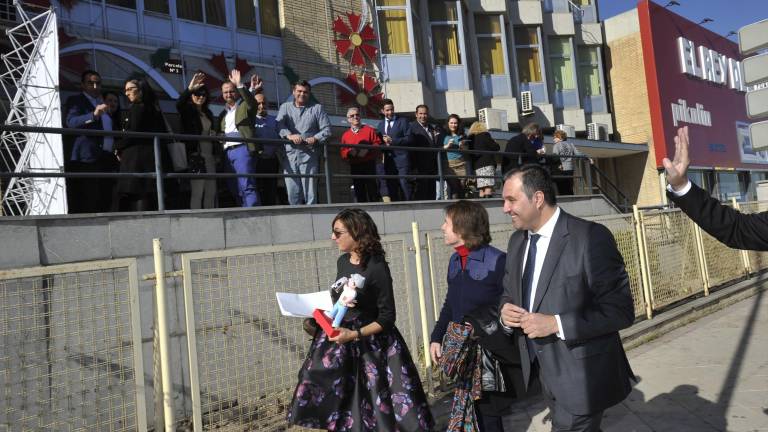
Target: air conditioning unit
597 131
526 102
568 129
494 119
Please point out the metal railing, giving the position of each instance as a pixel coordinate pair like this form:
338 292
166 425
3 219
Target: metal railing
159 139
71 334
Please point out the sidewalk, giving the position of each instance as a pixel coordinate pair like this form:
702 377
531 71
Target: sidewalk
710 375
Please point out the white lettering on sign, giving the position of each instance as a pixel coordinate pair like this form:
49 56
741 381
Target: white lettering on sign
709 65
697 115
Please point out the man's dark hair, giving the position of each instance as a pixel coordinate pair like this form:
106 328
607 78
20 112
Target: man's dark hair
470 221
303 83
386 102
421 106
535 178
87 72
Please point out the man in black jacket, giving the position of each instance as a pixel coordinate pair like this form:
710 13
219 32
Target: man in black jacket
423 134
526 147
736 230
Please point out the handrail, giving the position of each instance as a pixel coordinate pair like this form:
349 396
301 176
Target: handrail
163 138
624 204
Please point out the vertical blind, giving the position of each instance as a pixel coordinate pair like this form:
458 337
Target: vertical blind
393 28
445 44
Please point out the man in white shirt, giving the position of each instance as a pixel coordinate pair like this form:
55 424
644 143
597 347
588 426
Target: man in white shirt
566 296
735 229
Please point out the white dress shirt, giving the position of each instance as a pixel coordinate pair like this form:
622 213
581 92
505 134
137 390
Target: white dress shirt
230 128
542 245
682 191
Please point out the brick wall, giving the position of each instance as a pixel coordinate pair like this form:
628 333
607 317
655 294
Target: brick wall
638 177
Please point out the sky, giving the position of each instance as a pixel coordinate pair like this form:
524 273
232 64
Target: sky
727 14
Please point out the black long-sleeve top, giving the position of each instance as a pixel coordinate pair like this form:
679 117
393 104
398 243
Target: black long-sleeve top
376 300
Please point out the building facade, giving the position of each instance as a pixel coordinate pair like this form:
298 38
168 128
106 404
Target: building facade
667 72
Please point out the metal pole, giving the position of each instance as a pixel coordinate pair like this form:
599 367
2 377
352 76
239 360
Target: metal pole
440 177
645 277
744 253
422 299
327 166
159 175
162 329
588 173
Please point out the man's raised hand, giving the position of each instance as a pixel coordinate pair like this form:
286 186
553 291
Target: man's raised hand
677 168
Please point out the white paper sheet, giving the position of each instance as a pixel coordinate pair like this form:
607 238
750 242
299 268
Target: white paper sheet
302 305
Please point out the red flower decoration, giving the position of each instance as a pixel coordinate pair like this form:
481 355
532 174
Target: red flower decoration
364 96
353 40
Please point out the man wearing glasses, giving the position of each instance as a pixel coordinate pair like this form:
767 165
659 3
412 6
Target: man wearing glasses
87 110
237 120
306 126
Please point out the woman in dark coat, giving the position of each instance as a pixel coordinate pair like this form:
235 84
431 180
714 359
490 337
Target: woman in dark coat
197 119
484 164
475 273
137 154
364 378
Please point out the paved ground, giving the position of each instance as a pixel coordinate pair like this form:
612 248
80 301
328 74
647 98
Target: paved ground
711 375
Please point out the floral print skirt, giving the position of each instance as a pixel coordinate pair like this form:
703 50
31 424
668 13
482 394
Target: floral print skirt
366 385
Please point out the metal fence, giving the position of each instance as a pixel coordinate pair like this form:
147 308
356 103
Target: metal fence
70 348
72 360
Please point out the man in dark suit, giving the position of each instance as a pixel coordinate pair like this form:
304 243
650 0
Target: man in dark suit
735 229
87 110
566 296
394 131
526 147
423 134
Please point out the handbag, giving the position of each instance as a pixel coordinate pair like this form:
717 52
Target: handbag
177 150
197 163
458 347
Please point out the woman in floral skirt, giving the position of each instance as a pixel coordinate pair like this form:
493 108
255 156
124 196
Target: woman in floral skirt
364 378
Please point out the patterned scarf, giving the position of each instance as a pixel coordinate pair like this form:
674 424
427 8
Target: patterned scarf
462 360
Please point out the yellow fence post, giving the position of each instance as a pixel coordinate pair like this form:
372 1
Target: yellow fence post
435 310
422 302
642 254
744 253
702 258
162 328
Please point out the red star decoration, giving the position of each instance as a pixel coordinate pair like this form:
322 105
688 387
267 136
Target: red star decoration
365 96
357 42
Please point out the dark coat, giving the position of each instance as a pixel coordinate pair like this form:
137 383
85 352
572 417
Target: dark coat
245 118
424 162
526 153
737 230
398 131
583 280
190 120
79 115
483 141
137 154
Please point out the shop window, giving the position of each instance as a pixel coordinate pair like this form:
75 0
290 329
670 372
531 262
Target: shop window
489 43
393 27
158 6
269 15
193 10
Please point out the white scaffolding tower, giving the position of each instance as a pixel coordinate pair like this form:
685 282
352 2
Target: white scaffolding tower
30 80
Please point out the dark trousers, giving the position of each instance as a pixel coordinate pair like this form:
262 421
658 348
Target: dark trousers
84 195
365 188
267 187
398 189
562 420
489 423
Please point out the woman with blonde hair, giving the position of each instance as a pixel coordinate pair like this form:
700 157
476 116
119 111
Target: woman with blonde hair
485 164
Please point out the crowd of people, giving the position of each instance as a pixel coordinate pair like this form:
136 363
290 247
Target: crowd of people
289 146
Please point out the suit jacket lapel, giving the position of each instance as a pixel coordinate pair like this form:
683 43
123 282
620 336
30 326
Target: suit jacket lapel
516 250
554 250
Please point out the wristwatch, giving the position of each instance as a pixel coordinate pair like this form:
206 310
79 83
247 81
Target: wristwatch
359 334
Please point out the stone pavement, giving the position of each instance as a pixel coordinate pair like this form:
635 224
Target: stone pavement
710 375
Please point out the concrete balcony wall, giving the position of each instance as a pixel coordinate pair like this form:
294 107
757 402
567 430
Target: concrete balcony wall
604 118
509 104
408 94
461 102
573 117
525 12
487 5
589 34
559 24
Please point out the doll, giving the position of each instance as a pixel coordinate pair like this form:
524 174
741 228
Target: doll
350 287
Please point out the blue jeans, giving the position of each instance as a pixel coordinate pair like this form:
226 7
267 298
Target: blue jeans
240 162
301 190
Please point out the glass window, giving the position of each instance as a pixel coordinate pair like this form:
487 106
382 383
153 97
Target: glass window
441 10
589 74
393 27
245 11
190 9
491 55
561 61
445 45
269 15
215 13
130 4
159 6
528 54
487 24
